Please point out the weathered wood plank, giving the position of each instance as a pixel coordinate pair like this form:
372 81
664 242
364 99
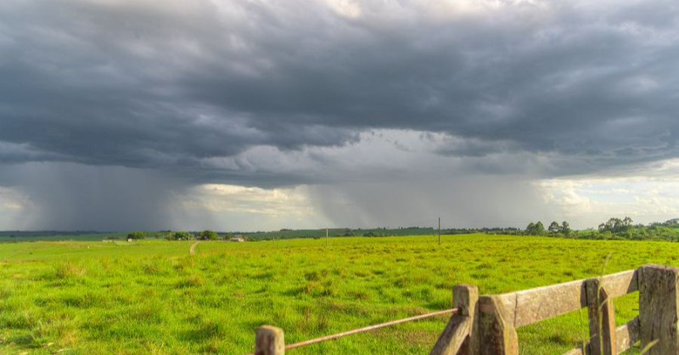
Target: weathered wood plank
608 331
493 334
576 351
602 334
658 311
538 304
456 337
627 335
535 305
270 341
620 284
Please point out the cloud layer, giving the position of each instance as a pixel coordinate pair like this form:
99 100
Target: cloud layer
328 93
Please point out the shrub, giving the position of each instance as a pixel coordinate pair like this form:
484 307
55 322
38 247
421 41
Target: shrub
208 235
180 236
136 235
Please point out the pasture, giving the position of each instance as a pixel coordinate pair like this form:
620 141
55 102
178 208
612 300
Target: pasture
154 297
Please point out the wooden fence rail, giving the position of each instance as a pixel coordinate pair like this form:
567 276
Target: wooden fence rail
370 328
483 325
268 335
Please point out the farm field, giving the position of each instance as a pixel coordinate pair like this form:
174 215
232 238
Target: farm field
153 297
60 237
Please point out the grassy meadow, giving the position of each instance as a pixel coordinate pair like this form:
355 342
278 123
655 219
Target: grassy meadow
154 297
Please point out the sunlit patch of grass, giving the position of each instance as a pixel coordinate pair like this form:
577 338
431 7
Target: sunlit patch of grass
152 297
65 271
191 281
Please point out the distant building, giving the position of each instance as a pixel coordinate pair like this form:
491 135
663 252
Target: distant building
237 239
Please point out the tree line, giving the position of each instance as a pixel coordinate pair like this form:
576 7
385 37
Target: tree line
554 228
611 229
169 235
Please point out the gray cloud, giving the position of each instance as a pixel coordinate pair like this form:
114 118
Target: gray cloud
477 201
194 91
78 197
144 84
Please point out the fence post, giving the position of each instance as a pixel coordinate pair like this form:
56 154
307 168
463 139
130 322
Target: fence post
270 341
658 312
456 337
602 339
493 333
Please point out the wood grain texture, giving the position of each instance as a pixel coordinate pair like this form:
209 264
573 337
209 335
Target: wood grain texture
602 333
270 341
493 334
627 335
576 351
538 304
456 337
658 312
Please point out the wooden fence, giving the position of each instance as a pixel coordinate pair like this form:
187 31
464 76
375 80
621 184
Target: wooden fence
487 324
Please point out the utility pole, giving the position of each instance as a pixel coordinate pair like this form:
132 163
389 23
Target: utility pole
326 237
439 230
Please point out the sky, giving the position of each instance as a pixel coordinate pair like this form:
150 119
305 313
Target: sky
261 115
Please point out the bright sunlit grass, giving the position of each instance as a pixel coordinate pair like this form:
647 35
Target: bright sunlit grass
153 297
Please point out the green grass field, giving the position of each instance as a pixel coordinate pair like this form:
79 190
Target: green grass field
153 297
94 237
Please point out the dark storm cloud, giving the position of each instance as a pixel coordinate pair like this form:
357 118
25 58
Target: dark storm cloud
68 196
460 201
164 85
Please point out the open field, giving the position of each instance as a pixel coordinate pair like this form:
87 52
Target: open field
9 237
153 297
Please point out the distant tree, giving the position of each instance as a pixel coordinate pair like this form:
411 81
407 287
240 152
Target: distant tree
165 235
565 228
616 225
627 222
672 223
136 235
554 227
208 235
612 224
182 236
530 229
535 229
539 228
